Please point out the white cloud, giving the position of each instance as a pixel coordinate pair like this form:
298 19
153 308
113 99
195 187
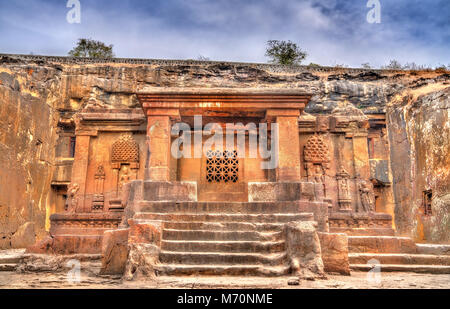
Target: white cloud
221 30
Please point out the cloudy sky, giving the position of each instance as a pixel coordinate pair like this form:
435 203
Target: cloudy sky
331 31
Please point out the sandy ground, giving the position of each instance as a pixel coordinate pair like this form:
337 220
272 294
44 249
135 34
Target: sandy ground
13 280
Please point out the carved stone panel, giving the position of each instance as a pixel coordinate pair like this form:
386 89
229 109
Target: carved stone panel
344 197
99 198
367 197
317 160
72 198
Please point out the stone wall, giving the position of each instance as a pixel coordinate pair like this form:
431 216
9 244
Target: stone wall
419 131
35 93
27 142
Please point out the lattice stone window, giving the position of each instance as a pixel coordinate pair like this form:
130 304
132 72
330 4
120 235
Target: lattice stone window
222 166
316 150
125 151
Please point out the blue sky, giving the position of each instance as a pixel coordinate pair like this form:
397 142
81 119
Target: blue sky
331 31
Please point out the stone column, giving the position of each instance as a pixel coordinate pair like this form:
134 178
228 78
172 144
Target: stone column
80 168
158 135
289 144
361 155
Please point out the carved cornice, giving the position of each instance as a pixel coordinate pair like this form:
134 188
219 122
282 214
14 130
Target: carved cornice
225 102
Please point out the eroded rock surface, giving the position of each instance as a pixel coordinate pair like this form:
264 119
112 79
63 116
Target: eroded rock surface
303 250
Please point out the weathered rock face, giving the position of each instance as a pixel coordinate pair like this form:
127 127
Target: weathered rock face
27 142
114 251
141 262
334 249
24 237
39 95
303 250
419 129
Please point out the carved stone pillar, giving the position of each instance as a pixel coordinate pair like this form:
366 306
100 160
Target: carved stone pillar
158 137
361 155
288 143
79 171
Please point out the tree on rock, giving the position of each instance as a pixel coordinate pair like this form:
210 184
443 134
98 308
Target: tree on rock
92 49
284 52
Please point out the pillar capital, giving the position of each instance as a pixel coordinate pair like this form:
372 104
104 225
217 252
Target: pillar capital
172 113
273 114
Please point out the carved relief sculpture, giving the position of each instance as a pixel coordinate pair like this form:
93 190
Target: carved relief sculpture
367 197
124 177
317 159
344 198
72 198
99 198
125 162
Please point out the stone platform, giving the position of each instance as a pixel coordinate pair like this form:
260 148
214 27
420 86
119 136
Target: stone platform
72 233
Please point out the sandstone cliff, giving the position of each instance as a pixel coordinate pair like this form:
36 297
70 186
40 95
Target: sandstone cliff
35 92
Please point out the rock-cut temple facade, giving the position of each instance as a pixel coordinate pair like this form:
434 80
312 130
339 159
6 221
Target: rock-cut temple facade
328 204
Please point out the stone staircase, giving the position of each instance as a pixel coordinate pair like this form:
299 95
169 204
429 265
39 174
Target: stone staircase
222 238
10 259
398 254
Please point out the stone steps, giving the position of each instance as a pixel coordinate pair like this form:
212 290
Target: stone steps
221 226
398 254
368 231
400 258
429 269
222 270
220 207
218 238
433 249
10 259
220 217
381 244
219 258
8 267
223 246
222 238
205 235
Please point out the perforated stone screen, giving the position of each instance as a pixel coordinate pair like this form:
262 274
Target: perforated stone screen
316 150
125 150
222 166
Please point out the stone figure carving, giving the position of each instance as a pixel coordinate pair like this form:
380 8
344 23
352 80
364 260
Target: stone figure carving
123 178
124 160
72 198
367 196
317 160
99 179
319 174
